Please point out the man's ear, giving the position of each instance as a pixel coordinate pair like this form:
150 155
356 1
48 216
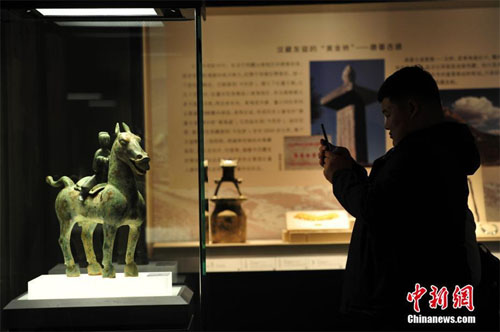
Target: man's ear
413 107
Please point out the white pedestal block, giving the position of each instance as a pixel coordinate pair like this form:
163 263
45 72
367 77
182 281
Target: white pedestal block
59 286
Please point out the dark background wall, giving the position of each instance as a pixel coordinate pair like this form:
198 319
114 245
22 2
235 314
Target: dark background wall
272 301
43 133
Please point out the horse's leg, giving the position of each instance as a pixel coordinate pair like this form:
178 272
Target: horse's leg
72 269
88 243
133 237
107 250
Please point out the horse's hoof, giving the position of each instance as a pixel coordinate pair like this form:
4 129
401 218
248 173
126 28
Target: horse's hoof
131 270
108 272
73 271
94 269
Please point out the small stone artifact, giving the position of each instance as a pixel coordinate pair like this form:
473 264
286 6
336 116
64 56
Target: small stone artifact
228 222
112 204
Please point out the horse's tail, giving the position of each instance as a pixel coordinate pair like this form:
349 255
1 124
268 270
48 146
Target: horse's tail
63 180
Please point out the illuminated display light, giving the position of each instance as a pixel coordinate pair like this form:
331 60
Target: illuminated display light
97 11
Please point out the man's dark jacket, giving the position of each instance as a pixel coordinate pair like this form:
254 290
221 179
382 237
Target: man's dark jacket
410 220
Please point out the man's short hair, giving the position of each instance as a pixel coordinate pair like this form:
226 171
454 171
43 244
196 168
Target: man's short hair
410 82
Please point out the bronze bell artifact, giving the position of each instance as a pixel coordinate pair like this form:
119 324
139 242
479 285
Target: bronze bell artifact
228 222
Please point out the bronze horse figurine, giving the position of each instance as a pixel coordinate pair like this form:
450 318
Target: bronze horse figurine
115 204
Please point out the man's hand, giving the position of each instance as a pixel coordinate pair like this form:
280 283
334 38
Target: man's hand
335 160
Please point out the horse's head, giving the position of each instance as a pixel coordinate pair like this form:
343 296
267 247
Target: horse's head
128 150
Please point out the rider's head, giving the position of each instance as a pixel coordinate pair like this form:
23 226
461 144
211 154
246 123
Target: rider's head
104 139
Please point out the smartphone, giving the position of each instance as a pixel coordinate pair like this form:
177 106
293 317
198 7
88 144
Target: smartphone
328 145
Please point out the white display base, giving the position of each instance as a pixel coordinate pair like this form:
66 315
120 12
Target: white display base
60 286
317 220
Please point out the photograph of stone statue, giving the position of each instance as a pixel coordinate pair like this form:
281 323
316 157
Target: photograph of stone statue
344 99
109 197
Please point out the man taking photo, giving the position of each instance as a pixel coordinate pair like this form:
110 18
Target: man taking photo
413 225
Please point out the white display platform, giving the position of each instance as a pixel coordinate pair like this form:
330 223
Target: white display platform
317 220
59 286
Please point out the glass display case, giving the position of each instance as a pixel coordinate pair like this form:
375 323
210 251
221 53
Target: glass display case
88 144
274 74
218 158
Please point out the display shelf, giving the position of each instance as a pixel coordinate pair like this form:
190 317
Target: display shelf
175 311
488 238
248 243
276 255
180 295
481 237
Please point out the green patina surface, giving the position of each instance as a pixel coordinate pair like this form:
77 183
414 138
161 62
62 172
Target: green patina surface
114 204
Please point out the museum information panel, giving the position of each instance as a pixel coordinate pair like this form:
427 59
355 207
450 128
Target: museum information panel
272 77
